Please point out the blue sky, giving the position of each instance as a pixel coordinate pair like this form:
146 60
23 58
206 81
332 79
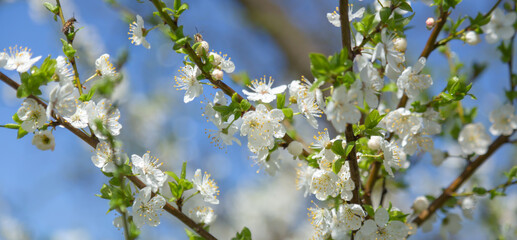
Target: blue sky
50 191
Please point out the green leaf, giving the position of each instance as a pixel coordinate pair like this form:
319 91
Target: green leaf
184 170
245 105
245 234
337 148
348 148
51 7
319 64
405 6
336 166
192 235
373 119
479 190
68 50
88 96
280 101
385 13
390 87
11 126
177 4
21 133
369 210
288 113
173 175
17 119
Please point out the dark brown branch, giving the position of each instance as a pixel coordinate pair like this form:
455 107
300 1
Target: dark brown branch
453 187
93 141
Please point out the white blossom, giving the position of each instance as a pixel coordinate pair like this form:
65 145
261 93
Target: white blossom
467 206
207 187
62 100
223 63
104 67
309 102
224 134
371 84
269 162
374 143
146 169
3 59
262 127
450 224
320 219
412 82
474 139
334 17
392 156
389 56
430 122
188 81
44 140
20 59
32 114
137 32
202 214
380 228
63 71
262 91
304 174
324 143
324 183
146 210
345 182
347 217
80 118
104 112
420 204
342 110
295 148
500 26
503 120
210 113
402 122
472 38
105 156
412 142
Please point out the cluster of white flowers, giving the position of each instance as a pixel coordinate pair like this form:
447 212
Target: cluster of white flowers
208 189
309 102
334 17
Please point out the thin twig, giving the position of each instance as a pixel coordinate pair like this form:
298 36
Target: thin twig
453 187
93 141
197 60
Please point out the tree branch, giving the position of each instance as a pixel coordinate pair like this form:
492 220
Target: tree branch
453 187
93 141
193 56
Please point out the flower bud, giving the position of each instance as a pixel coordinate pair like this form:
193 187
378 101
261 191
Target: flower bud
203 46
472 38
429 23
375 142
217 74
400 44
295 148
44 140
217 58
420 204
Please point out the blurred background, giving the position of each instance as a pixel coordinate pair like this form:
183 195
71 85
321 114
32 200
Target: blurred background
51 194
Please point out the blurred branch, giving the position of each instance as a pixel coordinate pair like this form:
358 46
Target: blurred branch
453 187
93 141
295 44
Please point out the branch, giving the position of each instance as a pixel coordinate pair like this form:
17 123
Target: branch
70 59
453 187
349 132
193 56
93 141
